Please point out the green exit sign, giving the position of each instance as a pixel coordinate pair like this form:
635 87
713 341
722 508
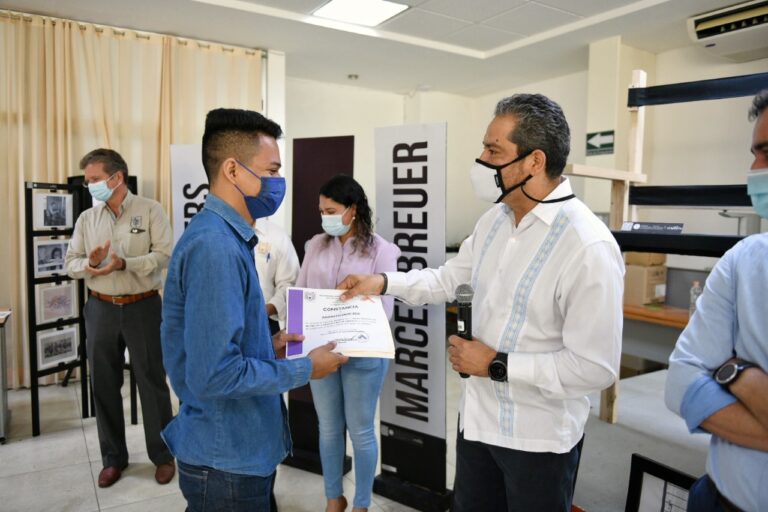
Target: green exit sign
600 143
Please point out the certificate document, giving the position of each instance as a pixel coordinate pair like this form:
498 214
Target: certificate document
359 326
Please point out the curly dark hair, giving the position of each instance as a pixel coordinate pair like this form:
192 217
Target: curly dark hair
345 190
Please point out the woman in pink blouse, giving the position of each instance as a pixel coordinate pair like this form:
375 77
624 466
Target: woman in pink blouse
348 397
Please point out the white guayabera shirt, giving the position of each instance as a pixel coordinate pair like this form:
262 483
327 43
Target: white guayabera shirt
547 292
276 264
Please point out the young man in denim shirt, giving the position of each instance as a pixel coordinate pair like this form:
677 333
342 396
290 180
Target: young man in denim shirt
231 431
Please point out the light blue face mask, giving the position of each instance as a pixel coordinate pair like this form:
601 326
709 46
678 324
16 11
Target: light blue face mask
100 190
757 188
334 225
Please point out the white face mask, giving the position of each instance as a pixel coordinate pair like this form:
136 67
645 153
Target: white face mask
485 182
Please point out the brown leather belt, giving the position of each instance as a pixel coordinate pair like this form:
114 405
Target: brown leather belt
122 300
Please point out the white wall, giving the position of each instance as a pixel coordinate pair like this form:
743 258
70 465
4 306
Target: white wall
439 107
689 143
317 109
698 143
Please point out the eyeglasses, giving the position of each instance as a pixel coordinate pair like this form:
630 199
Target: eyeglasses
85 183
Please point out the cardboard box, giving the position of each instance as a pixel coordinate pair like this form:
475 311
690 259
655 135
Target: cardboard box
645 285
645 259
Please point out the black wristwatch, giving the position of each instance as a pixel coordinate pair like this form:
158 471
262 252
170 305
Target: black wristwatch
730 371
497 370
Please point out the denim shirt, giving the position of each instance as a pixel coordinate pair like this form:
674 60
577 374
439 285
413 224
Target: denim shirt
218 352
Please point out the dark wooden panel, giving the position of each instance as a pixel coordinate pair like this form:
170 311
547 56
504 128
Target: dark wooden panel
315 161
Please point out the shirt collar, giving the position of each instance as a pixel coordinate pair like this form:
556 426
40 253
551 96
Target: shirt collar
126 202
548 211
231 217
260 226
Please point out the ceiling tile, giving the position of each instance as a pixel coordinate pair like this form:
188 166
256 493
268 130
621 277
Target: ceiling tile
425 24
531 19
412 3
480 37
301 6
474 10
586 7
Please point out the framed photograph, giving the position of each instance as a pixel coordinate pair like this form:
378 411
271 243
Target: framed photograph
56 346
654 486
49 256
55 301
51 210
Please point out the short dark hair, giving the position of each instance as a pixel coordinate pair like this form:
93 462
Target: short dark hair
345 190
232 132
759 103
111 159
541 125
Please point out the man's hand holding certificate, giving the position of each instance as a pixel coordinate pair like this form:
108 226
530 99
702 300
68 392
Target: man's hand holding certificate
358 326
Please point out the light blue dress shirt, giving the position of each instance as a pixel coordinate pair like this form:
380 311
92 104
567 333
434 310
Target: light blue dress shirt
731 319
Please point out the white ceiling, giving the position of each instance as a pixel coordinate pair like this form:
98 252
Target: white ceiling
466 47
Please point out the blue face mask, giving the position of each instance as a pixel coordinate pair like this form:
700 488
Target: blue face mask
334 225
270 197
757 188
100 190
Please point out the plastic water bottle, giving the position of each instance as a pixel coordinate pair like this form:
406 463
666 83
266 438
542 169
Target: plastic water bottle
695 292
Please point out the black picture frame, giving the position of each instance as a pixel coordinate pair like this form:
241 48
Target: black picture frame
651 476
52 210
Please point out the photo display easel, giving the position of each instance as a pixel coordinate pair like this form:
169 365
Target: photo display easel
56 333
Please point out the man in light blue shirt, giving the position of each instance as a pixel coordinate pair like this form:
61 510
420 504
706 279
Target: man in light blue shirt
717 380
231 431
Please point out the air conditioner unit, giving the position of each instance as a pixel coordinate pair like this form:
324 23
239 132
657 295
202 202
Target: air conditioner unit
738 32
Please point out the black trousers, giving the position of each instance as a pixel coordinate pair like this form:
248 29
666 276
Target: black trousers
490 478
138 325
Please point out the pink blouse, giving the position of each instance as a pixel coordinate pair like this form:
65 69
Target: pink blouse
326 263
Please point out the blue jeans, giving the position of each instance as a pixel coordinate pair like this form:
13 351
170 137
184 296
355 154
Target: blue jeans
348 399
210 490
704 497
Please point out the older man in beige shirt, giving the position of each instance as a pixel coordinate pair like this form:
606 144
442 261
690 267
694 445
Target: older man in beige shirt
120 248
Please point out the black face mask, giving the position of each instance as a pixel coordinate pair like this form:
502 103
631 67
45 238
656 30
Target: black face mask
505 192
499 181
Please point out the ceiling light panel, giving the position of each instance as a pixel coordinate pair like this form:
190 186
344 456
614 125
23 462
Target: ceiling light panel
367 13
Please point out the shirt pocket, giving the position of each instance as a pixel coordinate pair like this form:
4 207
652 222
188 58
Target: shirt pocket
137 243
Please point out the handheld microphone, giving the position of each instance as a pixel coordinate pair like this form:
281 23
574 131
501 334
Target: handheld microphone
464 294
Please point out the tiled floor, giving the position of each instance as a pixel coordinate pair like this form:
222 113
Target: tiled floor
57 471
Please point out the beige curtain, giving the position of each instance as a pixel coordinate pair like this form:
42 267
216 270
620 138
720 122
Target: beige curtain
68 87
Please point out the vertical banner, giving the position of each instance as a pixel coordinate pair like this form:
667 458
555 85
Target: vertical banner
189 185
410 206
